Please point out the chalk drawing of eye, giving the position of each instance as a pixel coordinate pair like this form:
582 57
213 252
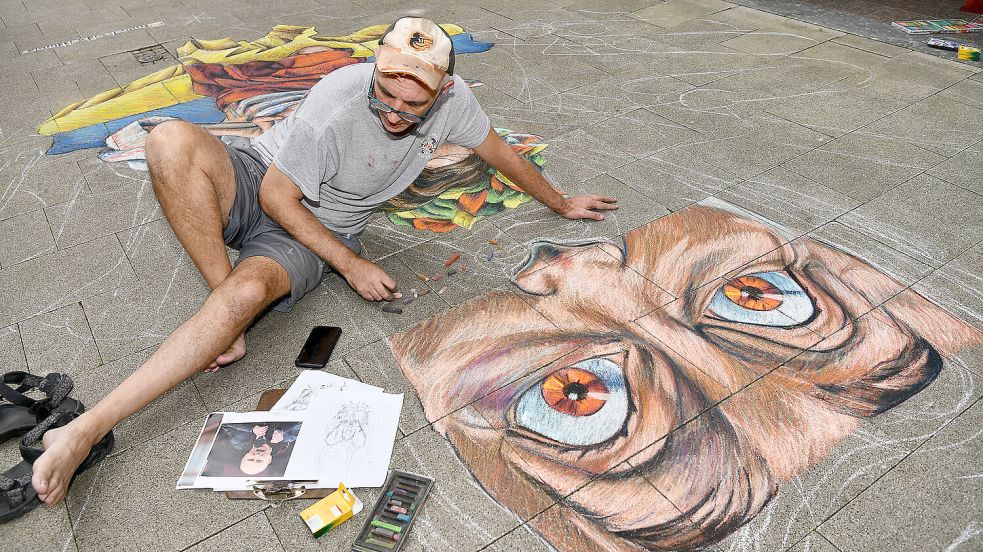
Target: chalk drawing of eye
583 404
763 299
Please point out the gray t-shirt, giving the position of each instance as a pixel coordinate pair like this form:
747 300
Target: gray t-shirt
337 152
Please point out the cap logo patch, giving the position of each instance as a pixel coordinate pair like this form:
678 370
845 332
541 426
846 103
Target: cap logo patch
420 41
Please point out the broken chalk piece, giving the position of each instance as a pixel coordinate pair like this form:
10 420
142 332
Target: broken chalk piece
409 300
452 260
464 267
398 295
423 292
493 242
437 277
441 290
392 309
452 272
490 255
422 277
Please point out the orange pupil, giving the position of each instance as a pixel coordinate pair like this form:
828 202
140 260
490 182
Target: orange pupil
574 392
753 293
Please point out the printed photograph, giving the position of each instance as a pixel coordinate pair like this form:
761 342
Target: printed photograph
252 449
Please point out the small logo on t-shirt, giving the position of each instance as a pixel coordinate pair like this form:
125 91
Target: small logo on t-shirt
428 147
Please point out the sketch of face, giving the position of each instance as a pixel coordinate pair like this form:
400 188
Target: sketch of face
256 460
622 366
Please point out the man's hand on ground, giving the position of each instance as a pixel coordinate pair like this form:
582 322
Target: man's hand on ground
586 207
370 281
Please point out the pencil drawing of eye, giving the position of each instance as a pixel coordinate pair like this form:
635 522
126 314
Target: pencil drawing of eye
763 299
583 404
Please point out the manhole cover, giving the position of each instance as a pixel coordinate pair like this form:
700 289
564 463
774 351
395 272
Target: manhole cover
151 54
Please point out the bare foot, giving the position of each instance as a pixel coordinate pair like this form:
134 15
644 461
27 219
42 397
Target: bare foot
236 351
64 449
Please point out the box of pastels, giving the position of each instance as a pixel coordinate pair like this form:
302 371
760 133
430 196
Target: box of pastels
393 515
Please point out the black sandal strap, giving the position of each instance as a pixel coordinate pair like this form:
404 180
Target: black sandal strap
54 386
14 489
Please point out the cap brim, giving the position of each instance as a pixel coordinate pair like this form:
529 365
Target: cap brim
391 60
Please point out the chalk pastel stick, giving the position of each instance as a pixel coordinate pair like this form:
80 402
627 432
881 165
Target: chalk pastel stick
379 523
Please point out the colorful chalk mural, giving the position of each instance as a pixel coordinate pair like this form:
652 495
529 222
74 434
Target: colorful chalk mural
607 382
243 88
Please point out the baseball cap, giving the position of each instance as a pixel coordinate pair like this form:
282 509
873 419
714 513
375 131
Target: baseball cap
418 47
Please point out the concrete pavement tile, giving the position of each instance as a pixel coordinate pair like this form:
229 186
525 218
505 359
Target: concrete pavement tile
858 177
600 31
968 92
98 214
674 12
84 20
609 97
110 505
32 61
60 341
840 53
635 207
925 217
30 181
631 56
89 78
958 286
932 497
25 237
374 364
179 406
44 528
813 542
869 45
44 283
520 538
293 534
743 17
124 67
883 149
912 76
153 250
255 532
802 29
482 274
749 155
12 349
918 418
579 155
460 513
775 78
906 270
770 42
382 238
141 314
537 24
802 503
418 310
699 35
92 49
675 177
937 124
550 116
535 222
642 133
206 23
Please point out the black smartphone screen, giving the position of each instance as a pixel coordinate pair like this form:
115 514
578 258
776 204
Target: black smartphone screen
317 349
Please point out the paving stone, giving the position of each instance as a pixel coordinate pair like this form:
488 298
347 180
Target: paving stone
937 124
701 36
958 287
675 177
520 538
30 181
293 534
912 76
46 528
103 499
142 314
12 349
553 115
254 532
858 177
814 542
419 310
381 238
936 512
635 207
925 217
630 57
767 42
869 45
92 49
374 364
642 133
483 274
600 31
43 283
93 215
535 222
25 237
88 77
579 155
883 149
743 17
461 512
674 12
60 341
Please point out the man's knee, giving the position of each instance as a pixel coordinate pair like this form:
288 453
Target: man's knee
171 137
247 293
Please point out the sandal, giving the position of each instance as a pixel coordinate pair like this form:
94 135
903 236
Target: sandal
17 496
23 412
30 443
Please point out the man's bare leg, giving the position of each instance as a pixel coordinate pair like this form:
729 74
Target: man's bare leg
251 287
195 185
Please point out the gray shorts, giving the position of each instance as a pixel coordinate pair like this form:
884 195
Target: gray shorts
255 234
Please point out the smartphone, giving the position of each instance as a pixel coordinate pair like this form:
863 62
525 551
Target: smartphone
317 350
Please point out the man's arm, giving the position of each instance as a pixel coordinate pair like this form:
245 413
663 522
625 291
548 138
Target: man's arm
281 199
498 154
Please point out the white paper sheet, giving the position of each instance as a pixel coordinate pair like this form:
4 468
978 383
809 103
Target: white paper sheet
311 384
